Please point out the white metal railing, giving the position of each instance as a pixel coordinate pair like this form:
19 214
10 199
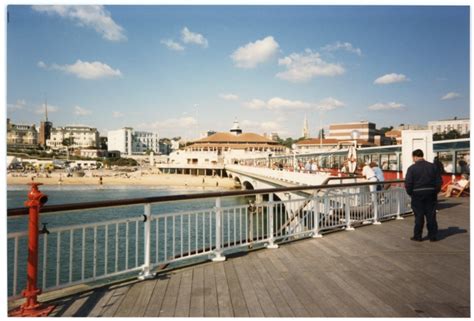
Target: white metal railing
286 176
84 253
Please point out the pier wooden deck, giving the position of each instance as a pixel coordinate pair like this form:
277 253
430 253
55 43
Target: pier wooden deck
374 271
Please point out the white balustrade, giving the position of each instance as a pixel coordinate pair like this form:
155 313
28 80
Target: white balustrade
90 252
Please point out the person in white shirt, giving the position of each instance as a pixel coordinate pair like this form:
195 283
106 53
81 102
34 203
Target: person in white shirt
369 175
314 167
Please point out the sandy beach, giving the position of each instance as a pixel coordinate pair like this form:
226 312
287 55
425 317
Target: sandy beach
114 178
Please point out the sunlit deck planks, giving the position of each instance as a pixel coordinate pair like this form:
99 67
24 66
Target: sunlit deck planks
372 271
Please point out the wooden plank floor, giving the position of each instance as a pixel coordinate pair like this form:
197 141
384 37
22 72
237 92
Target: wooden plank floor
374 271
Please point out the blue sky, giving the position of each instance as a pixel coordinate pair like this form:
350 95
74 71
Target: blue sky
183 70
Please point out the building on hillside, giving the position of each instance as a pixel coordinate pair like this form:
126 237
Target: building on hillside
395 135
462 125
45 128
103 142
326 144
382 140
343 131
73 137
224 147
44 132
207 133
97 153
410 127
22 136
130 142
272 136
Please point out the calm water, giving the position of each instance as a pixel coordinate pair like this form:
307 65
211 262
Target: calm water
16 196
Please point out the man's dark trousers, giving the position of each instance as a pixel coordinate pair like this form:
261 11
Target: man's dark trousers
424 204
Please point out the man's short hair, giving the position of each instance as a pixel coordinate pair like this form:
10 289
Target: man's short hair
417 153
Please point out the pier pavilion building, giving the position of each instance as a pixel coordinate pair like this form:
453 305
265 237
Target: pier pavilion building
223 147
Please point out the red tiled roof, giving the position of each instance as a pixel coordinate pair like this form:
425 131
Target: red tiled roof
223 137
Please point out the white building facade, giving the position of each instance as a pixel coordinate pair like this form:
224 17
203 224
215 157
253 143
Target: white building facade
130 142
462 125
77 136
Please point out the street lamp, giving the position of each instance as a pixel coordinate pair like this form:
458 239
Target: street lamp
355 134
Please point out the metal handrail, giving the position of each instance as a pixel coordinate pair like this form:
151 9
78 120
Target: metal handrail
20 211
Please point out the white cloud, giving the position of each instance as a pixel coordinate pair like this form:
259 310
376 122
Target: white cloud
94 17
255 104
229 97
170 123
263 127
281 103
79 111
187 36
85 70
117 114
451 95
329 103
342 46
19 104
254 53
387 106
305 66
172 45
390 79
51 109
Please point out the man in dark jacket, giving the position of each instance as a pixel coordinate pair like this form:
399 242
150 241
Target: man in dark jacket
423 183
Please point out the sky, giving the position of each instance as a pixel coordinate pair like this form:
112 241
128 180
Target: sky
184 70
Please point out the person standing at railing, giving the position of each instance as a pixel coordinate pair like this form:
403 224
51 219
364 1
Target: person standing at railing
369 175
378 173
314 167
423 183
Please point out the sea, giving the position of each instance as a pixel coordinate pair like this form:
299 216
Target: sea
64 194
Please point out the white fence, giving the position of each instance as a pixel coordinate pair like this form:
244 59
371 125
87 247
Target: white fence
95 251
286 176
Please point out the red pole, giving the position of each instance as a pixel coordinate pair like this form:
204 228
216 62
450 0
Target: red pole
31 307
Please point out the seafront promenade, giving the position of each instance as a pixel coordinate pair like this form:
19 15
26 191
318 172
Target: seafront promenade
373 271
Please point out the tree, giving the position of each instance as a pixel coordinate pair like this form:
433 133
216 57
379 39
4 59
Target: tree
68 141
437 136
452 134
383 130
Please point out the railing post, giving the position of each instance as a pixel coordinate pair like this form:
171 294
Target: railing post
218 251
374 197
398 195
347 210
32 308
146 274
271 244
316 216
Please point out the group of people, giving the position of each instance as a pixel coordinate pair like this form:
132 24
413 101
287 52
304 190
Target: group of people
372 172
423 183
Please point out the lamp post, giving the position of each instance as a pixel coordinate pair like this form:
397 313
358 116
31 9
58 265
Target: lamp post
355 134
